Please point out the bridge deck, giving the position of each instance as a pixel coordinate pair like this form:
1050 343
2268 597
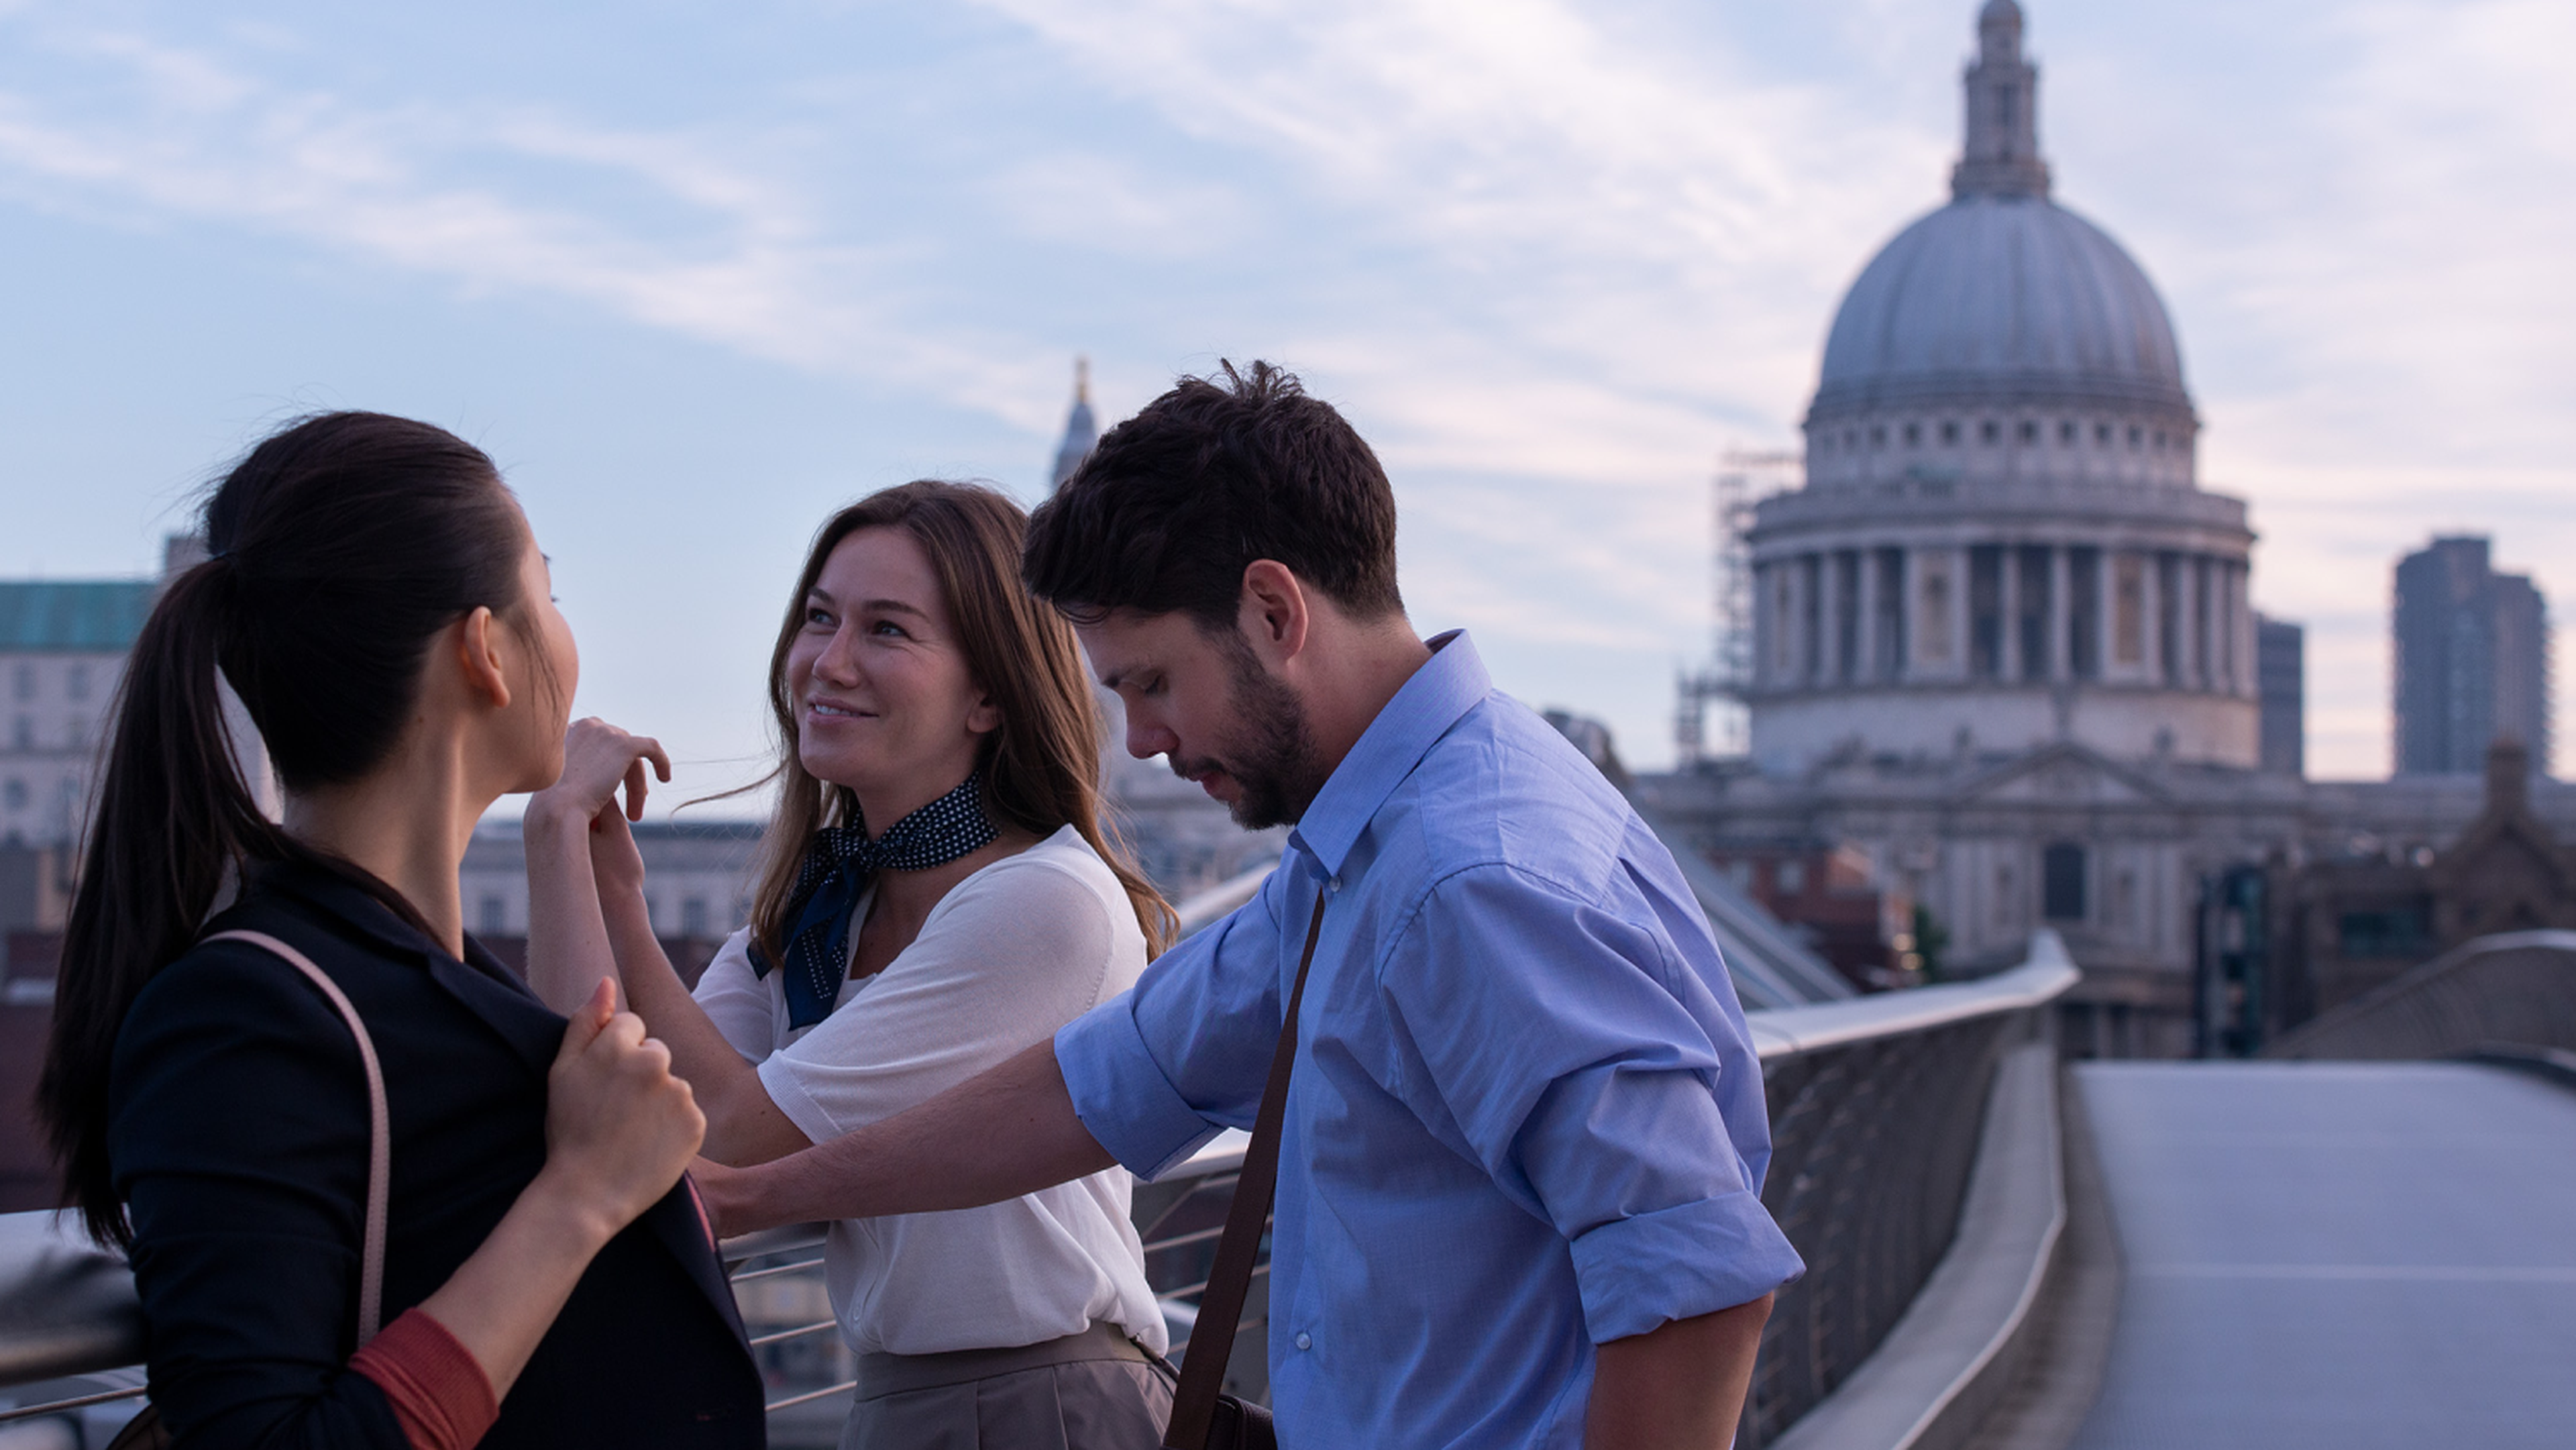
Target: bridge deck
2330 1254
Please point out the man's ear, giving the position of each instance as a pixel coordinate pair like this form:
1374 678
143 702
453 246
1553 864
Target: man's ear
1275 614
478 654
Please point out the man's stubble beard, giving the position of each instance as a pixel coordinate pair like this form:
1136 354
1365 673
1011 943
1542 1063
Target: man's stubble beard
1273 759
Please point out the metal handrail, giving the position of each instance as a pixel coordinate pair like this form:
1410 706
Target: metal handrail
68 1308
1786 1032
2511 987
798 1332
1876 1109
1215 1161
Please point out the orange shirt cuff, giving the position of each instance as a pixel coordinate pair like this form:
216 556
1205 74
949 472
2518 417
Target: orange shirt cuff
437 1390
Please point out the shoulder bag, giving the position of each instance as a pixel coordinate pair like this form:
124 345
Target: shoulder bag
1202 1417
145 1431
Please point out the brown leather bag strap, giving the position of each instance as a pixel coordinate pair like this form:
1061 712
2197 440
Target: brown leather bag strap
1211 1343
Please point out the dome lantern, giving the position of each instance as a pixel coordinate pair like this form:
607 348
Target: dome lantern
2003 298
2002 153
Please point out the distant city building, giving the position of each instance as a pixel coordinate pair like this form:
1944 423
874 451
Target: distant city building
63 645
2472 660
2353 919
2005 666
1081 429
698 877
2280 680
698 880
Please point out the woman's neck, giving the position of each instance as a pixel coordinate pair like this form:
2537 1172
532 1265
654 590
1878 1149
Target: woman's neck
407 825
905 899
882 806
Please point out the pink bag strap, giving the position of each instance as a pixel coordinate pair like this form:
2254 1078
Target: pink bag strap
380 1147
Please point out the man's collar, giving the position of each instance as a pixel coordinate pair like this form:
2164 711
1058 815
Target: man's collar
1440 693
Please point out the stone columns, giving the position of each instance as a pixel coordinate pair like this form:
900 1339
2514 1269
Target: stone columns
2061 612
2008 613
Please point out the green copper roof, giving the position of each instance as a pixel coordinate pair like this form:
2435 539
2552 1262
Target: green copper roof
73 615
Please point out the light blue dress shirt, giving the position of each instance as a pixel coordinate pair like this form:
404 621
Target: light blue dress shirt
1525 1119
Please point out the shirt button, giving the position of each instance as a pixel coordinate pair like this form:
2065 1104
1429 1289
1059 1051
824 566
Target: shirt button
1335 883
1305 1341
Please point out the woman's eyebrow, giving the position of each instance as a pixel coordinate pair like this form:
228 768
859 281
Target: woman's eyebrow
820 595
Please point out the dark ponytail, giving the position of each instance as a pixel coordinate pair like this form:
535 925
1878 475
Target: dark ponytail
340 547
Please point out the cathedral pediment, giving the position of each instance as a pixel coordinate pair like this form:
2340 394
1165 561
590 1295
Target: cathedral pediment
2061 774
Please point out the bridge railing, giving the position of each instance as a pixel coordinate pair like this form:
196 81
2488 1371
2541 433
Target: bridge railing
71 1329
1876 1107
2511 989
777 1278
1875 1110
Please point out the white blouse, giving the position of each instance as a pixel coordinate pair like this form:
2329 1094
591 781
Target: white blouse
1014 952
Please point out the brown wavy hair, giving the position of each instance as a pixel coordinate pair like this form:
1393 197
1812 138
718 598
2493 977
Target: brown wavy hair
1041 767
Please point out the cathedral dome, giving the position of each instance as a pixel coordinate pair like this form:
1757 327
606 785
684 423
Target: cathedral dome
2002 297
2001 541
2007 297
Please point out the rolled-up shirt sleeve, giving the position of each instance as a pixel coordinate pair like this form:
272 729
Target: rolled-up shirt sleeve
1157 1072
1552 1033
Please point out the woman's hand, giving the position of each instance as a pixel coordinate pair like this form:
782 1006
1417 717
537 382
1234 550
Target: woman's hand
619 1127
615 863
598 758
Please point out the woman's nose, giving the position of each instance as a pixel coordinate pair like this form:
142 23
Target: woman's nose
839 661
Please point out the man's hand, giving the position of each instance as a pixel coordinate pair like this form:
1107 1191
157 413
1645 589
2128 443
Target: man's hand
719 1188
1010 1131
1679 1386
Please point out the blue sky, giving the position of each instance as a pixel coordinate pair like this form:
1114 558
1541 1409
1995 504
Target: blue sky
696 274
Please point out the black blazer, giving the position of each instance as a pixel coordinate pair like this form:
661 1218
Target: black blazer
238 1135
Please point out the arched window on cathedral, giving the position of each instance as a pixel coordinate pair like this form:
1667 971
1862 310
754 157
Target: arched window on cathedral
2061 882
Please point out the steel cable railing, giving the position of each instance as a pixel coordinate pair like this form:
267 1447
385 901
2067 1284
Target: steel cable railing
1178 1217
1875 1103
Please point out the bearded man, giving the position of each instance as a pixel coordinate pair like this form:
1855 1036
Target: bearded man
1519 1187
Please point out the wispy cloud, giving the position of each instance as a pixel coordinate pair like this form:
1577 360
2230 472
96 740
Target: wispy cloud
1553 256
699 234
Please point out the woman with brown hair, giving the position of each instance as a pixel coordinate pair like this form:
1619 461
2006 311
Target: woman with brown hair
937 894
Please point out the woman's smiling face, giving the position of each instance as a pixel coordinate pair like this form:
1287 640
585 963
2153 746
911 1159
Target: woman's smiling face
884 702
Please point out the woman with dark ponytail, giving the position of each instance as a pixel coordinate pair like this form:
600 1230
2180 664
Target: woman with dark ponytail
375 599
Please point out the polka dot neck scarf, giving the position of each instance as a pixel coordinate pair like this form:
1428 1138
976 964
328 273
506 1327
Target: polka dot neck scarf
838 867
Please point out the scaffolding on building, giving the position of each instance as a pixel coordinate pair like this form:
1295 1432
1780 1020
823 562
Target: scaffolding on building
1708 717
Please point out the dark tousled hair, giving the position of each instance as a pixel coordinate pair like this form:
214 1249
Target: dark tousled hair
1041 764
339 548
1219 472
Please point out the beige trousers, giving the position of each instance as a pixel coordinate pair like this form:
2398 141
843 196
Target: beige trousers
1090 1391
